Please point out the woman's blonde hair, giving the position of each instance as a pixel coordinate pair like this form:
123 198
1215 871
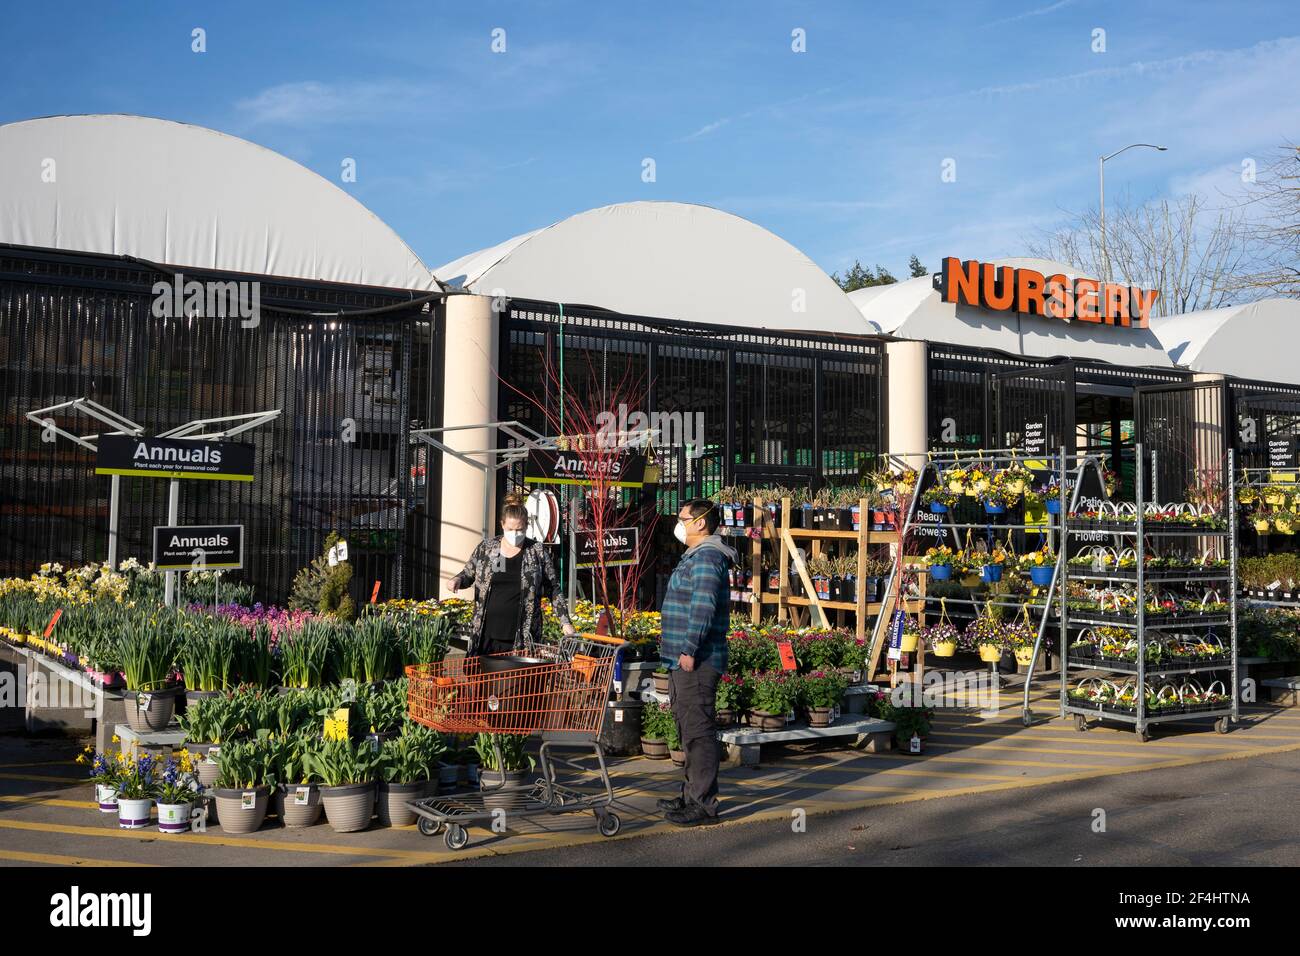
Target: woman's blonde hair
513 507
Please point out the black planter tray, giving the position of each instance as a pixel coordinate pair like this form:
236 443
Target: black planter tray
1153 574
1098 662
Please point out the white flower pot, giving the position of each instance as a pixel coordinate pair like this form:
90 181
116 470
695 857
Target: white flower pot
174 817
133 814
106 797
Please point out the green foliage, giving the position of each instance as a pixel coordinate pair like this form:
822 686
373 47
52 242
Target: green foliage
245 764
336 763
513 754
412 756
906 720
305 655
859 278
149 649
324 589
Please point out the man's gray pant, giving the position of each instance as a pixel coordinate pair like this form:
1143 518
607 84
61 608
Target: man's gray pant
693 706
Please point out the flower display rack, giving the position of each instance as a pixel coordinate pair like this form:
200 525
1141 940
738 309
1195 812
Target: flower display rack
1144 648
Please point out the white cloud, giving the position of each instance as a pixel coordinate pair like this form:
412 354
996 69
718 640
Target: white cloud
1038 12
312 103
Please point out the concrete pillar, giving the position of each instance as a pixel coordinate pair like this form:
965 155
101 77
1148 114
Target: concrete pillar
469 388
908 394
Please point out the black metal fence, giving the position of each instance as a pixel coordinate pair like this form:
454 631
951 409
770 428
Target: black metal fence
337 458
746 401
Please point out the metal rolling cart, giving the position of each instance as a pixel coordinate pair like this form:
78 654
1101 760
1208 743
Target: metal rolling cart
1147 539
557 692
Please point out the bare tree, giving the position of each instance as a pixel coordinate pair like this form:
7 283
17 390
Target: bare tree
1273 203
1193 254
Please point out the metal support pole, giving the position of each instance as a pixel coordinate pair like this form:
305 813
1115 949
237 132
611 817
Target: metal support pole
574 508
173 515
113 499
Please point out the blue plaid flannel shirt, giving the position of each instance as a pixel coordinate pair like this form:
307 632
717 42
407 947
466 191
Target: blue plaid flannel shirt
696 612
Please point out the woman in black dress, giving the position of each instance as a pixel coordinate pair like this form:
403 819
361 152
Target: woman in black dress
510 574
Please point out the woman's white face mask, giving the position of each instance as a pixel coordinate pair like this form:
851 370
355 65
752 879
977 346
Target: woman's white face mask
516 538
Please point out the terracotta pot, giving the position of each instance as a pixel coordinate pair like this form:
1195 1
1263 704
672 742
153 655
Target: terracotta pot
654 749
661 683
764 720
393 797
819 716
349 807
242 811
725 717
298 806
156 712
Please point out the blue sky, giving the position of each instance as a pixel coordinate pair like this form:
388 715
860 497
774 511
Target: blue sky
838 149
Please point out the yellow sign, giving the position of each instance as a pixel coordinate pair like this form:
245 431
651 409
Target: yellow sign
336 727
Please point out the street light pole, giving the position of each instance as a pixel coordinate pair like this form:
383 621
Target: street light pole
1101 183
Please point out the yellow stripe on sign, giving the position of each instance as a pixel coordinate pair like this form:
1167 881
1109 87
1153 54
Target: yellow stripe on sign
145 473
54 859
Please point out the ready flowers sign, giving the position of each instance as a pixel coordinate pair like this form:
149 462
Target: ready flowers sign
1006 289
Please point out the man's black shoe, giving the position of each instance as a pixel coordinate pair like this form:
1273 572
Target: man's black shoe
690 817
671 805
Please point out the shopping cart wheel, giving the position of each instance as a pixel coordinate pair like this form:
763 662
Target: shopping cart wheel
457 837
429 827
1221 725
608 824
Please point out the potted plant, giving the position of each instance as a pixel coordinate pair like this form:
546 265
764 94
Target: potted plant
674 743
821 693
243 785
911 634
405 766
347 772
908 722
940 562
1040 564
1015 479
105 774
654 731
942 638
1020 637
504 766
661 680
730 699
986 633
992 563
135 791
939 499
175 794
297 795
148 657
770 700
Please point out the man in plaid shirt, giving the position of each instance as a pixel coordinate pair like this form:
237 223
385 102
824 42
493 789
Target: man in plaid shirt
693 645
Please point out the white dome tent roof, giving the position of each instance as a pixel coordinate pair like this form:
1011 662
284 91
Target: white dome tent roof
184 195
664 260
914 309
1255 340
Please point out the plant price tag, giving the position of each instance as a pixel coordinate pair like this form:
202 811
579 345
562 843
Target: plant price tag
301 796
248 800
788 662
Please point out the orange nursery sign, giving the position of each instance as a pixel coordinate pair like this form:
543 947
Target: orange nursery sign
1004 289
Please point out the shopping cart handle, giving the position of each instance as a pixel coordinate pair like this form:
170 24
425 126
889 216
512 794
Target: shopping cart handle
602 639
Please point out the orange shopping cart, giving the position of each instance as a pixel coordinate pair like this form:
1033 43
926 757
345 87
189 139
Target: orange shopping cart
558 692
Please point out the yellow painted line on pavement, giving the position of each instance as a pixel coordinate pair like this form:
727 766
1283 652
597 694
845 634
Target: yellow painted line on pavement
1033 734
993 762
41 778
54 859
983 748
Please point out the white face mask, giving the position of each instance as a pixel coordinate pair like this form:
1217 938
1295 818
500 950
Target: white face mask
679 532
516 538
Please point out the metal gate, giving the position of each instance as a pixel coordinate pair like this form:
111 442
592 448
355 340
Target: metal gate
1032 395
1266 425
1184 436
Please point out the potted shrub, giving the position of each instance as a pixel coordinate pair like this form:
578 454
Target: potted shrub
405 763
821 693
941 639
654 720
347 772
907 721
148 658
730 699
770 700
105 774
504 766
135 791
243 786
819 570
175 794
940 561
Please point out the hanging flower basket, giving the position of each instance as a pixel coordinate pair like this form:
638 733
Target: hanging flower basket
991 573
990 653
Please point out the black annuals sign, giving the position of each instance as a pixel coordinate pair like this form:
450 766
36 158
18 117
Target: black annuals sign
620 470
198 547
620 548
174 458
